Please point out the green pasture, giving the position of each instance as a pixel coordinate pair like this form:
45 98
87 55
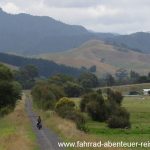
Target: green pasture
139 108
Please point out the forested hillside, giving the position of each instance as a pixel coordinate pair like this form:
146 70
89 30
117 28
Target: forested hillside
45 68
27 34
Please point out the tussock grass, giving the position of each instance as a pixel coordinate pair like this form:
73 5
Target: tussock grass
15 130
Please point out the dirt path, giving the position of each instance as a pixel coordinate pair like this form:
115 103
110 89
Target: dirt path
47 139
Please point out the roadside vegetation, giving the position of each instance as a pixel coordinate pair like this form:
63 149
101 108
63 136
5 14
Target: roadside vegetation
138 108
16 131
68 104
10 91
55 93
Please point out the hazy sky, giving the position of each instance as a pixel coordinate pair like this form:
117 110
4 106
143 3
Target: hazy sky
122 16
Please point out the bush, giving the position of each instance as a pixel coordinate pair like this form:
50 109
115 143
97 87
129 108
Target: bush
80 121
96 111
73 89
65 107
119 119
114 97
94 105
84 101
88 80
134 93
118 122
43 96
5 110
108 110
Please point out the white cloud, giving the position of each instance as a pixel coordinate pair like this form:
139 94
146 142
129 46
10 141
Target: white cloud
11 8
121 16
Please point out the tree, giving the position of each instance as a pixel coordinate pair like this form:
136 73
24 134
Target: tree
26 76
60 79
121 74
73 89
114 97
88 80
43 96
110 80
10 91
94 104
92 68
134 76
30 72
143 79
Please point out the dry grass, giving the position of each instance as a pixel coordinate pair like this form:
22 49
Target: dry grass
16 132
68 131
92 52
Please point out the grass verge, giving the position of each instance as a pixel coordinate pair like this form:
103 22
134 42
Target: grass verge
15 130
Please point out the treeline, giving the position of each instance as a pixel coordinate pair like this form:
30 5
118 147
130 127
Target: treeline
45 68
61 85
56 92
10 90
123 77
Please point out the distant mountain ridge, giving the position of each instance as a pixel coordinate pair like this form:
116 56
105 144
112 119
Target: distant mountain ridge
24 34
139 41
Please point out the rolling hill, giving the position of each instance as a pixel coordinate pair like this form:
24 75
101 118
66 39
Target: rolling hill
107 58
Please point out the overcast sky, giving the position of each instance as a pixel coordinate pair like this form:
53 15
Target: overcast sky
121 16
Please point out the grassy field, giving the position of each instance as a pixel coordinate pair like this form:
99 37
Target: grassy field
16 132
139 109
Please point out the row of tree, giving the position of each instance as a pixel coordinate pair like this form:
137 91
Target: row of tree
122 77
27 75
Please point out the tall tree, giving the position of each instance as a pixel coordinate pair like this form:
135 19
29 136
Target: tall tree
9 90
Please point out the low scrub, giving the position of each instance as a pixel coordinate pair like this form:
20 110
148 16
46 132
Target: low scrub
65 108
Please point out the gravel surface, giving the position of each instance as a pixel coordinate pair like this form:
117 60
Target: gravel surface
46 138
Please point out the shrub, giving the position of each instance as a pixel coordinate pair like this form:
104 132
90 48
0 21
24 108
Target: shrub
114 97
84 101
73 89
80 121
119 119
94 104
43 96
109 109
88 80
96 111
118 122
5 110
134 93
65 107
